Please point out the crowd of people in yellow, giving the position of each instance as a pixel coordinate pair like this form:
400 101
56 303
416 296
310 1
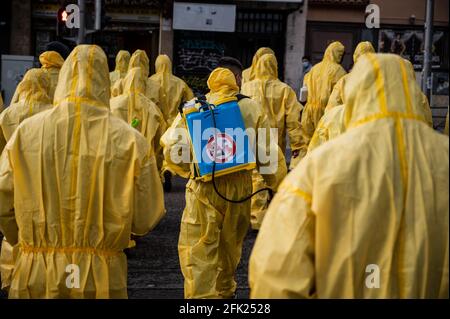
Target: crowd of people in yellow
85 153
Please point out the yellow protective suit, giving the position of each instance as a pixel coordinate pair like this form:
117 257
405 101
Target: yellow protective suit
136 109
75 181
51 62
320 82
249 73
32 97
122 60
365 215
139 59
332 123
172 91
280 103
212 229
336 97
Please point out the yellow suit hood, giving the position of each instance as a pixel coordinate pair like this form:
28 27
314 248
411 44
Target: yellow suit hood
267 67
361 49
92 85
34 87
140 59
163 64
51 59
122 60
31 97
334 52
222 84
380 76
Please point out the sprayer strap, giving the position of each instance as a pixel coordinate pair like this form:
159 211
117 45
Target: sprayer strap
240 96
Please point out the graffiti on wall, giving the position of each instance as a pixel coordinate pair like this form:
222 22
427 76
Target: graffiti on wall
198 56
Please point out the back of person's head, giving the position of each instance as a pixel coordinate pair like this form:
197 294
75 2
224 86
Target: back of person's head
59 47
230 63
234 65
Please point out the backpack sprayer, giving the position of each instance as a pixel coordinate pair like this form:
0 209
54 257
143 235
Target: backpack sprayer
218 155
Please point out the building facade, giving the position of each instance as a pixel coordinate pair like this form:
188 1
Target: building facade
292 28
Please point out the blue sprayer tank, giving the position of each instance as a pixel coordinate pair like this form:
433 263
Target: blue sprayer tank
234 151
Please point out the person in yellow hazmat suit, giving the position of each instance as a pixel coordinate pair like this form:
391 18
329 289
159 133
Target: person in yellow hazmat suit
139 59
169 92
51 62
122 60
172 91
319 82
2 107
249 73
212 229
282 107
373 221
140 112
75 182
32 97
336 97
331 124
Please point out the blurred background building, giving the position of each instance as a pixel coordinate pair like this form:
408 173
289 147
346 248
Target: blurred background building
292 28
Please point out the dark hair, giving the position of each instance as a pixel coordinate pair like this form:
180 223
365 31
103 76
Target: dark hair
227 61
306 57
59 47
